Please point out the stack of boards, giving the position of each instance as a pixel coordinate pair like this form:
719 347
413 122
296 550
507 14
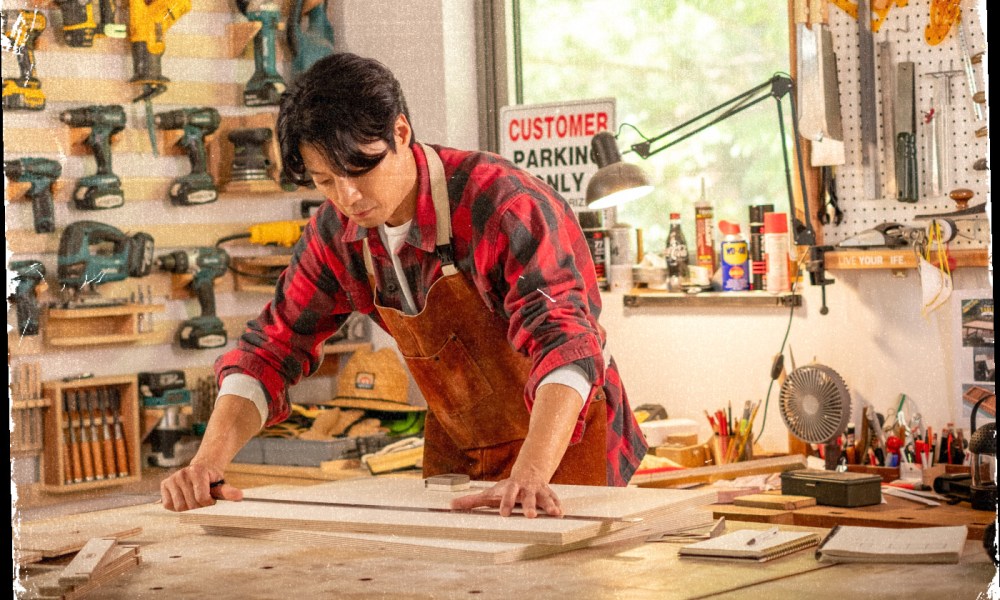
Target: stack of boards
97 563
419 523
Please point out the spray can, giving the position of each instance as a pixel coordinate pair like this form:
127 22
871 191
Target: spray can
704 228
734 257
758 268
776 249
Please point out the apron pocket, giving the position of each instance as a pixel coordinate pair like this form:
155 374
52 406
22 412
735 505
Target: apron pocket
461 398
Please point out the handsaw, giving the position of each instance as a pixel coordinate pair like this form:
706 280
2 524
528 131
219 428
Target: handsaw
425 509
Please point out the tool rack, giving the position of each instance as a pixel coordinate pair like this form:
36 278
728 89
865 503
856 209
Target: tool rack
97 445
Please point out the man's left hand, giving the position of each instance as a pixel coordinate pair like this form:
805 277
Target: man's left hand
506 494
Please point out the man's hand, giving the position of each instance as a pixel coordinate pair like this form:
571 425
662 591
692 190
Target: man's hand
191 487
531 495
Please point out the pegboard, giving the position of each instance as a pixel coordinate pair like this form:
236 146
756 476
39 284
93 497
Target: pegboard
904 28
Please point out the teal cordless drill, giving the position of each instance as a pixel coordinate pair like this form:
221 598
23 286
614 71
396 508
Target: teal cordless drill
27 274
41 173
207 264
198 187
102 189
266 85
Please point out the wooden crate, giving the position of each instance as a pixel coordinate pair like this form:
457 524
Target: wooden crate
63 460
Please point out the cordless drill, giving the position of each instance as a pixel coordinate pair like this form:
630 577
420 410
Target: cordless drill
104 188
28 274
41 173
148 23
207 264
21 29
266 85
249 158
197 123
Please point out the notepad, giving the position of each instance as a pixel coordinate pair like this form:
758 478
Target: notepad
737 545
879 544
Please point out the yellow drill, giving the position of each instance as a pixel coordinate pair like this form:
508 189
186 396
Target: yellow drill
21 29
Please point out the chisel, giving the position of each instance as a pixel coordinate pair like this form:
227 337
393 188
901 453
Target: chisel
86 456
121 449
95 442
107 440
74 447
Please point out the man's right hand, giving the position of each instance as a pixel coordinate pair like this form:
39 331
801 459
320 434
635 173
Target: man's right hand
191 487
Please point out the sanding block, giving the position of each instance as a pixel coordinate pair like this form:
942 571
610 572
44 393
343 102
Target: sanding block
450 482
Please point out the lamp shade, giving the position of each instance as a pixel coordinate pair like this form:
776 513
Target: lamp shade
616 182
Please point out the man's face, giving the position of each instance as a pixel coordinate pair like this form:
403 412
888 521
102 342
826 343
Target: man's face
386 194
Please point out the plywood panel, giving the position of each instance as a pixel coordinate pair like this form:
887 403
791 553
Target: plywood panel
582 501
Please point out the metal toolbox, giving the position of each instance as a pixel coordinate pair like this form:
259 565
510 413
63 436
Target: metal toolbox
832 488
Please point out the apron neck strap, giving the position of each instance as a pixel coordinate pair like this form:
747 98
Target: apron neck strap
442 214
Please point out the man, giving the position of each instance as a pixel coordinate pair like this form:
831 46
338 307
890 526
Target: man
478 270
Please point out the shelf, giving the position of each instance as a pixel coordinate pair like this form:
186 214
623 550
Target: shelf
896 259
641 297
98 325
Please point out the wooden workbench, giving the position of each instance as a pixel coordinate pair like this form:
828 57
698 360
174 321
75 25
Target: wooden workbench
179 561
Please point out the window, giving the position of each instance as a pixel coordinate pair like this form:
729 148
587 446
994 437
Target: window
666 61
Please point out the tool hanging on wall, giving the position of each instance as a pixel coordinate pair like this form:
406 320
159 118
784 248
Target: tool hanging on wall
165 391
867 107
148 23
41 173
970 74
103 189
206 264
79 27
250 162
312 42
28 275
937 122
266 85
21 29
906 135
91 253
887 89
197 187
818 87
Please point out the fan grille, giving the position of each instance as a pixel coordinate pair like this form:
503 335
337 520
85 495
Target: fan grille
815 404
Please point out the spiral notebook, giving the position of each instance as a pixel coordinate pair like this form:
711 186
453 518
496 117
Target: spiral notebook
752 545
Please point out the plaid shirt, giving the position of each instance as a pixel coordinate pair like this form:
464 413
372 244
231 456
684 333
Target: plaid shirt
512 235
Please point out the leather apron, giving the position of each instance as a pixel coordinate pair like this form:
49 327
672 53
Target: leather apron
471 377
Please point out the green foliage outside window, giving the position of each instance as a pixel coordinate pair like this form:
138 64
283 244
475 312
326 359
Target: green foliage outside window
666 61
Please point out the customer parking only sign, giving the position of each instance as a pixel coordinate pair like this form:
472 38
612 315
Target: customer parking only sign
552 142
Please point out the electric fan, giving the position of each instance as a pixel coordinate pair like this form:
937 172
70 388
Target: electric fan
815 406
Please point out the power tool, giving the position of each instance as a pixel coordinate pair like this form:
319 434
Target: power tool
197 123
28 274
41 173
166 390
78 24
311 43
91 253
103 189
148 23
207 264
250 160
266 85
21 29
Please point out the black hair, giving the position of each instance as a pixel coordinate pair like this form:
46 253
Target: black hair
342 102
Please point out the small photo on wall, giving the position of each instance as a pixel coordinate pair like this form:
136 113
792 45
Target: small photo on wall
983 365
977 322
973 393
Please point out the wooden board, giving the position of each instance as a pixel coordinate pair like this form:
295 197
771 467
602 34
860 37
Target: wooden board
753 515
775 501
598 502
53 540
896 513
88 561
677 477
465 551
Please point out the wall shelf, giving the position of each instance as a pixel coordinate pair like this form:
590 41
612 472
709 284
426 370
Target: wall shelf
642 297
897 259
99 325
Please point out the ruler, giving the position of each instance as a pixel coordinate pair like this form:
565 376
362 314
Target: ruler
424 509
868 108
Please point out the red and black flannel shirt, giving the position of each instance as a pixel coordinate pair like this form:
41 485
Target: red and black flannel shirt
512 235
